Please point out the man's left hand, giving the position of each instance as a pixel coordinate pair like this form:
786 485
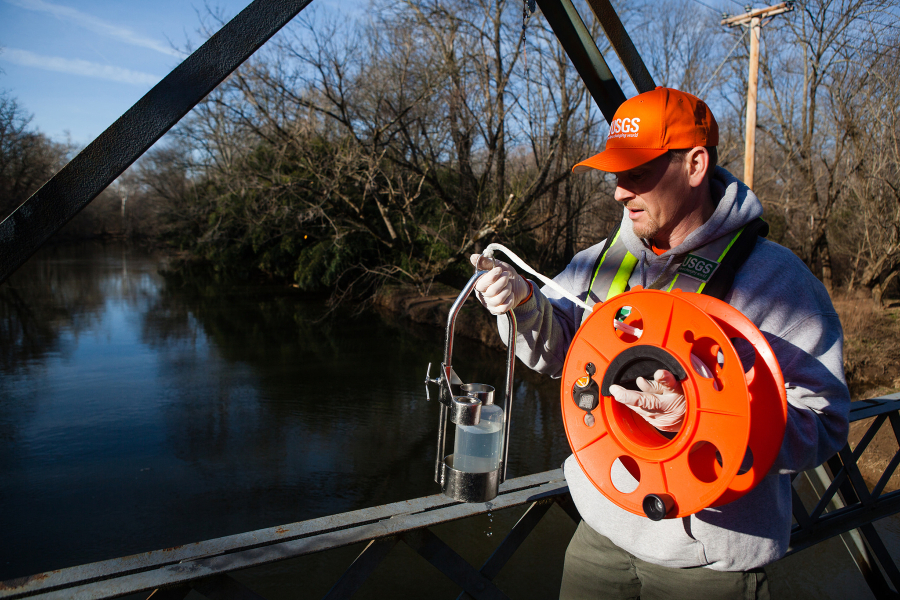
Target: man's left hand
501 288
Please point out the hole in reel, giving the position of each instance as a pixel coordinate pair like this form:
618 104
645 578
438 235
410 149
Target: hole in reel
628 324
707 358
626 479
636 428
624 370
702 461
746 464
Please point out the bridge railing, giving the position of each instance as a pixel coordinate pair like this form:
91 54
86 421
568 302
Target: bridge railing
841 504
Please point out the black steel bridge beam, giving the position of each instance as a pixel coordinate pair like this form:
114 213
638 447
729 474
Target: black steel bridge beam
587 59
578 44
104 159
622 44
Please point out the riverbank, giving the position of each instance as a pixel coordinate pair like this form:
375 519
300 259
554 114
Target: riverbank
872 368
473 322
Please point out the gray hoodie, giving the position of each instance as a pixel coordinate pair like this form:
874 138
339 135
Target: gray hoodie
779 294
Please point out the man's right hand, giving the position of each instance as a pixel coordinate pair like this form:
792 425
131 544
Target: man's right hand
501 288
661 401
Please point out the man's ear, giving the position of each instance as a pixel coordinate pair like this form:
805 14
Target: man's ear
697 162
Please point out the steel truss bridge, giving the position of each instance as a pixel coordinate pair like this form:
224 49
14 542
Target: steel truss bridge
843 505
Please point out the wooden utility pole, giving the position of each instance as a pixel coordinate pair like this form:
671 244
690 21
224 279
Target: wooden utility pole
753 19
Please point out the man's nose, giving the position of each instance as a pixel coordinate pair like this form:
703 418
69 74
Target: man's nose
623 195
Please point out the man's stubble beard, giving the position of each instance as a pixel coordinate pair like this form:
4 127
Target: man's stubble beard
647 231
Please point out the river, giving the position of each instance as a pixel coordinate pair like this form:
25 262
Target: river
143 410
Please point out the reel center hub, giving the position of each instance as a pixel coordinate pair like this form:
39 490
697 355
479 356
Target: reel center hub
635 433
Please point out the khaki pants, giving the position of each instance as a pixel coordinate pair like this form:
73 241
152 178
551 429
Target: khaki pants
597 568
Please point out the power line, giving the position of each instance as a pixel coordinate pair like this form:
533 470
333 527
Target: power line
876 23
870 51
869 41
727 56
841 42
879 23
716 10
846 46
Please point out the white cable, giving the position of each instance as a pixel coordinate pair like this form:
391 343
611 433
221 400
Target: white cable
698 364
730 52
489 253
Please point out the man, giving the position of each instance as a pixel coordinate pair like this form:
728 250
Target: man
676 202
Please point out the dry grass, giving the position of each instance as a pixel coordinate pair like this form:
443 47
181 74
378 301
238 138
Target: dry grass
872 367
871 345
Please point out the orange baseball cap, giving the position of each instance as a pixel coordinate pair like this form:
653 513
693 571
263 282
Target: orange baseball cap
649 125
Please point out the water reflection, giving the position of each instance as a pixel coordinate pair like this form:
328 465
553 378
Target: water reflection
144 411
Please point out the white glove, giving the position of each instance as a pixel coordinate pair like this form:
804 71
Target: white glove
501 288
661 402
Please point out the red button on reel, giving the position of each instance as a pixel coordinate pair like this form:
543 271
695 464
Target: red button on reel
734 392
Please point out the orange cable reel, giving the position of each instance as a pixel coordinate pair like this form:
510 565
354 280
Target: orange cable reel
736 410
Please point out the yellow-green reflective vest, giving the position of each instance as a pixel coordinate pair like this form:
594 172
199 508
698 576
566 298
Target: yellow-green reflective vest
709 269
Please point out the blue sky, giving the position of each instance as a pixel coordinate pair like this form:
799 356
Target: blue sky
77 65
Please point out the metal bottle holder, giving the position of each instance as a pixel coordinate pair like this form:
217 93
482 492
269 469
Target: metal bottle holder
462 404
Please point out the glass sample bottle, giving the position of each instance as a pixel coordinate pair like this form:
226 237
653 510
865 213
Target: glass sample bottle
477 447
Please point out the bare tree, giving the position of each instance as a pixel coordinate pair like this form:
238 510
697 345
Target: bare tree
868 109
391 150
347 154
27 157
680 44
805 65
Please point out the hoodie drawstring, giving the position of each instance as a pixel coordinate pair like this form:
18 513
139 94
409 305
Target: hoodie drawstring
643 271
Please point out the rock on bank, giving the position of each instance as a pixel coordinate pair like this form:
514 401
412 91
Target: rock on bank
474 321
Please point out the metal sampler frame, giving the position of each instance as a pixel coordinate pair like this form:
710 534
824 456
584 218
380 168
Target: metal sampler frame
469 487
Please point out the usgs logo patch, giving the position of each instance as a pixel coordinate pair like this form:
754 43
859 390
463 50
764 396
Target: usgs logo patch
622 128
698 267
